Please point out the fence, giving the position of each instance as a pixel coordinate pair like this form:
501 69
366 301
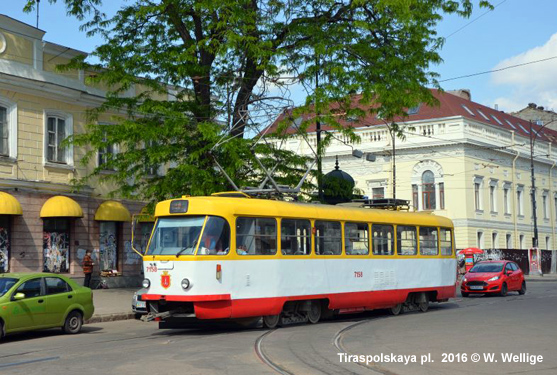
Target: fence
520 256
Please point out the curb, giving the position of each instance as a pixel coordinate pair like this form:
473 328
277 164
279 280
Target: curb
540 280
110 317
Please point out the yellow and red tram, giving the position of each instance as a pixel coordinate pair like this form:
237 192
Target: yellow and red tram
238 257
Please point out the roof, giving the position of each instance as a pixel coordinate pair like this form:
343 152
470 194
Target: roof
450 105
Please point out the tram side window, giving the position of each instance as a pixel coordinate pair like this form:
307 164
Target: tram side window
216 237
256 236
295 237
356 240
328 238
446 241
407 241
428 241
383 239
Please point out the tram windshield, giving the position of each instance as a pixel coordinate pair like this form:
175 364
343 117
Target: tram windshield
183 235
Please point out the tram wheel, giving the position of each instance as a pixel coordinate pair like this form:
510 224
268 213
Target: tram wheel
424 306
314 313
271 321
395 310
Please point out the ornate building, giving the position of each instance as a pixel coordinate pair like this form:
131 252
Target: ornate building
462 160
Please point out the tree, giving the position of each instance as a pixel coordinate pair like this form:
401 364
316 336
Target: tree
230 65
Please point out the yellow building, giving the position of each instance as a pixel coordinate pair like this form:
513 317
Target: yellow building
462 160
44 224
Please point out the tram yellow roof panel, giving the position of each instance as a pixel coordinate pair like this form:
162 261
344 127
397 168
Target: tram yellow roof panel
60 206
112 211
229 207
9 205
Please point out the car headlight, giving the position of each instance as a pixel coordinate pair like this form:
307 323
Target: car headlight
185 284
465 280
146 283
494 278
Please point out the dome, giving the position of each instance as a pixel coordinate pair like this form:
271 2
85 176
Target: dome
338 186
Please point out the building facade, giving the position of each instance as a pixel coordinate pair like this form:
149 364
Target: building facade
45 224
459 159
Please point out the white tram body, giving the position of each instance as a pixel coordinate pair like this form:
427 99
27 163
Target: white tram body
231 282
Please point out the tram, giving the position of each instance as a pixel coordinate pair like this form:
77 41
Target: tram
236 257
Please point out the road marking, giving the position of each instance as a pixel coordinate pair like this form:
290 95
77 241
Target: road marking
29 361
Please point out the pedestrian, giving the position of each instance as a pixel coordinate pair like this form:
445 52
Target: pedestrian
87 268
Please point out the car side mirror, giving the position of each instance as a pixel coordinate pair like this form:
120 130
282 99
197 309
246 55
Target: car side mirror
509 272
19 296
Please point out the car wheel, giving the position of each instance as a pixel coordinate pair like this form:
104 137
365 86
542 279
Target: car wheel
465 294
314 314
504 290
522 290
396 310
74 322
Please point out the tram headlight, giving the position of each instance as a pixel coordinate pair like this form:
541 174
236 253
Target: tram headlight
185 284
146 283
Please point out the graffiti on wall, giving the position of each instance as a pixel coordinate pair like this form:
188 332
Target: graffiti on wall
56 247
131 257
4 250
108 246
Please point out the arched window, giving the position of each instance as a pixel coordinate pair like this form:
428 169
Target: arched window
428 190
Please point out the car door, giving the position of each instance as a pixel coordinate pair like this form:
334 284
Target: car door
60 296
27 313
510 278
517 275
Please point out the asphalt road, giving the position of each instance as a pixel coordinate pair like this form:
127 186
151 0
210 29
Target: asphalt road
478 325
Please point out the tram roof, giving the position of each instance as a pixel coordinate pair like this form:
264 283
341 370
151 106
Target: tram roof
231 206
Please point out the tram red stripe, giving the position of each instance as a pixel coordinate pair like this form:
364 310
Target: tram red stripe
212 297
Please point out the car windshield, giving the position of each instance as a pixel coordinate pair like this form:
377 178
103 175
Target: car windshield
487 267
6 284
182 236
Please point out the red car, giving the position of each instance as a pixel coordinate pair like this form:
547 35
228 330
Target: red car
493 276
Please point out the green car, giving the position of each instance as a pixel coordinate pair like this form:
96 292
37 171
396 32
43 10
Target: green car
30 301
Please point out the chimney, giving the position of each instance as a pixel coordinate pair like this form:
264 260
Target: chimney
461 93
496 106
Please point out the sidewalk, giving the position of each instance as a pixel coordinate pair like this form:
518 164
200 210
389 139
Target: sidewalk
546 277
112 304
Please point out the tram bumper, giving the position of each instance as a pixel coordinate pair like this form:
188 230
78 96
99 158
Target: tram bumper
164 307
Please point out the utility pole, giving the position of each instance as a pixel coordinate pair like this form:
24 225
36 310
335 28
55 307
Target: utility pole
394 165
533 192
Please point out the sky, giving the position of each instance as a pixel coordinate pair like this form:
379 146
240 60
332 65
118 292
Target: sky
515 32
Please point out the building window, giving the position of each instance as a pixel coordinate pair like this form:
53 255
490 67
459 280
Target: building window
477 196
106 154
415 197
547 243
108 248
545 205
428 190
442 195
378 193
58 127
480 240
520 200
494 240
4 243
509 241
493 196
521 240
506 200
8 128
56 245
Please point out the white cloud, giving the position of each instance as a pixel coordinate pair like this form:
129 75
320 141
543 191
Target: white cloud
532 83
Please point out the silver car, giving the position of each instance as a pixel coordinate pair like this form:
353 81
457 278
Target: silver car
139 307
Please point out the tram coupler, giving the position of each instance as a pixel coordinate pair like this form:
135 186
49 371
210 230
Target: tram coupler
158 316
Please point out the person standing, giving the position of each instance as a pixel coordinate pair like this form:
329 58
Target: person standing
87 268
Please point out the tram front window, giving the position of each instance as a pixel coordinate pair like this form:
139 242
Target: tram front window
176 235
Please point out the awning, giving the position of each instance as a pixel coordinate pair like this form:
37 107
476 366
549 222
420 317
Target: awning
145 216
61 206
9 205
112 211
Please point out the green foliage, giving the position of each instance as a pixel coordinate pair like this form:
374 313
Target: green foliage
225 64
